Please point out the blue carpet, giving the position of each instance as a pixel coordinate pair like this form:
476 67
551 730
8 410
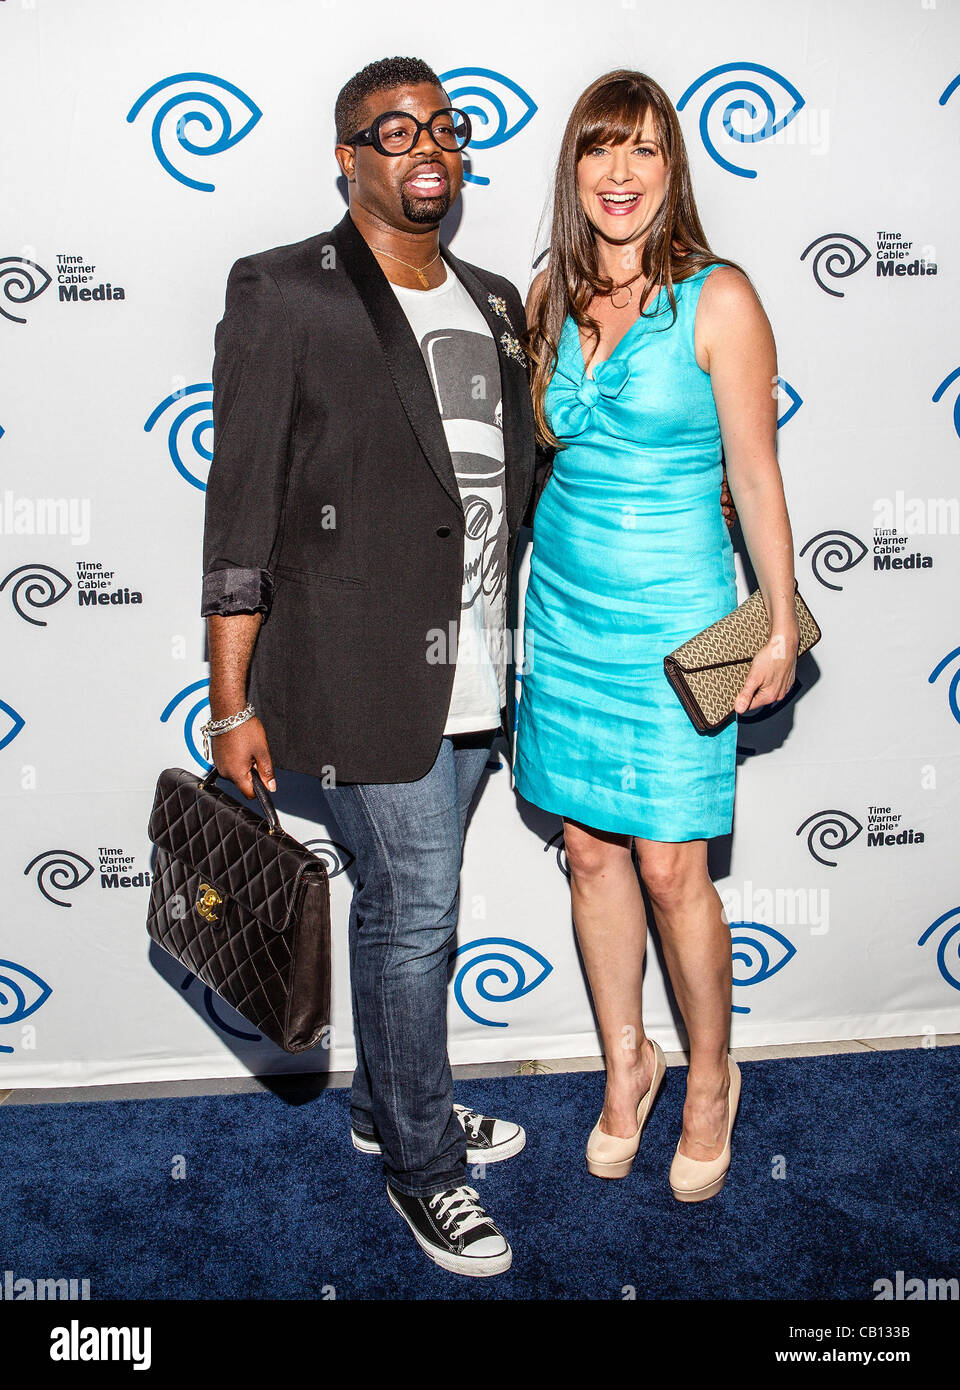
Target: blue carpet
276 1204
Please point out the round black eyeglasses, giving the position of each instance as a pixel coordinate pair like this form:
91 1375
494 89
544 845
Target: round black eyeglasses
397 132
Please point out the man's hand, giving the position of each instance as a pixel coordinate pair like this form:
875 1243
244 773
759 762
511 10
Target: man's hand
236 751
726 502
232 639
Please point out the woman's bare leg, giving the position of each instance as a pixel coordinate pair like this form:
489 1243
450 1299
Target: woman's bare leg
611 927
696 945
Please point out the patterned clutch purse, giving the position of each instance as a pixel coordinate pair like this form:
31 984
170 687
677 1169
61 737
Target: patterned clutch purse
708 671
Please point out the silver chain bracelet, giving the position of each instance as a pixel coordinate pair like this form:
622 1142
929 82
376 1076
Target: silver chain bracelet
221 726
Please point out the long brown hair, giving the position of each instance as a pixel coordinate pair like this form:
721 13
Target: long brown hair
611 110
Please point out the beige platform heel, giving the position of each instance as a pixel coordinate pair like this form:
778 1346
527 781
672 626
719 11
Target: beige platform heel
694 1179
609 1156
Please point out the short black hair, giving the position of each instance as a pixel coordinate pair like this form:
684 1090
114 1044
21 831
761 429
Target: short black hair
377 77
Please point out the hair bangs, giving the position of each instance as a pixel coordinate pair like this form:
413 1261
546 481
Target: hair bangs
617 113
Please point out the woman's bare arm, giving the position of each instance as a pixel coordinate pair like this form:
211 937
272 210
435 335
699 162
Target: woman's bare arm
734 335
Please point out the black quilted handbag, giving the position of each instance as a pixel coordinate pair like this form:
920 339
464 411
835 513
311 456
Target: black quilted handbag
243 905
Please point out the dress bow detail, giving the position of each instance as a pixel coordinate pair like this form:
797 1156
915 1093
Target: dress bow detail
575 400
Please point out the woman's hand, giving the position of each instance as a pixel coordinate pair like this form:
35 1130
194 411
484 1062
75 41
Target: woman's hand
772 673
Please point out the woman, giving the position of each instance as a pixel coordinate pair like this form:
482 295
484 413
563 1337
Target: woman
648 354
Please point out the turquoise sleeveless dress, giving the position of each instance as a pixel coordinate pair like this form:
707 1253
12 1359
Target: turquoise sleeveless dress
631 556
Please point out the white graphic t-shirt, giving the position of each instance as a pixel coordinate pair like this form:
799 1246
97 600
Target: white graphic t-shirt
461 357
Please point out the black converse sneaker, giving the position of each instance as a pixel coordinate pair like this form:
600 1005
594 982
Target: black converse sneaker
455 1231
488 1140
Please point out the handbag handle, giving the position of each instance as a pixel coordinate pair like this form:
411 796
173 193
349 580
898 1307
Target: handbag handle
263 796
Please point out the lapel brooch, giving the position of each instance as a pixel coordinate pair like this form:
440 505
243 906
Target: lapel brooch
512 348
508 341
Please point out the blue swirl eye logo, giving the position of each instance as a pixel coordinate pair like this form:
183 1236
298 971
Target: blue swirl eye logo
954 687
948 952
789 401
829 831
16 722
762 112
336 858
210 1002
833 552
211 114
837 256
498 108
945 384
19 284
756 949
35 586
196 713
21 994
187 431
59 871
494 971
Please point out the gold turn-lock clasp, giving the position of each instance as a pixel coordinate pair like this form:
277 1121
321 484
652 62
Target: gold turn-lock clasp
208 900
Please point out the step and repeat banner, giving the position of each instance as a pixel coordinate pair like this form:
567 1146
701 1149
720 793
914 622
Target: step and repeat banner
145 147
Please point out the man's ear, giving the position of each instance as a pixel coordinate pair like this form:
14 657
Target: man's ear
347 159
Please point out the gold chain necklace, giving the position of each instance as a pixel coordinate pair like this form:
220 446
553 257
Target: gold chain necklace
419 269
625 286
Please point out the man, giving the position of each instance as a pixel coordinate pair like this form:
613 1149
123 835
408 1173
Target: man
373 459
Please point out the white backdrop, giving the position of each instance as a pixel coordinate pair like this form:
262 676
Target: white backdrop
840 879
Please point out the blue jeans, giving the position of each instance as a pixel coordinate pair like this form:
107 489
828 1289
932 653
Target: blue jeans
407 840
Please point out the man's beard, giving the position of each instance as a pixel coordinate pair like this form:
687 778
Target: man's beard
425 209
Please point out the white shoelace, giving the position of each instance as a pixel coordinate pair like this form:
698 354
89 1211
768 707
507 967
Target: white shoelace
458 1210
470 1117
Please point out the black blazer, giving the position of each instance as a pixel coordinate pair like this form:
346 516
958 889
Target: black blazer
332 506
